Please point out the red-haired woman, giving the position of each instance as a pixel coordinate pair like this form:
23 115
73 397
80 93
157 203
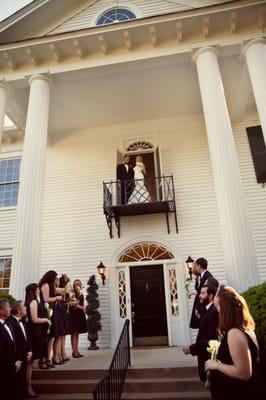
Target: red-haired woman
232 374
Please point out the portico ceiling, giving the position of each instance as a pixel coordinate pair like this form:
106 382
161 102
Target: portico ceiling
143 90
115 75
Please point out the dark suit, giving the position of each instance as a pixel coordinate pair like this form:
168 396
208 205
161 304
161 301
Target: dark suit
207 331
126 182
22 348
196 310
7 365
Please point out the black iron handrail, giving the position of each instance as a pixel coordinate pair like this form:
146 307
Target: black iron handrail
111 387
148 190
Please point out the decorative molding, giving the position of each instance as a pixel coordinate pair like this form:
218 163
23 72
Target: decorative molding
206 26
179 31
261 18
78 48
32 56
9 60
127 39
55 52
153 35
102 44
233 22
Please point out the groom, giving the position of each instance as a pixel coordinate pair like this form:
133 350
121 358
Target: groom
125 175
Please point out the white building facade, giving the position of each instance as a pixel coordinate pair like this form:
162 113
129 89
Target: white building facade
184 85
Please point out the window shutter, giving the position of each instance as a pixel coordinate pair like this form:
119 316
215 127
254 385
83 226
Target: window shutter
258 152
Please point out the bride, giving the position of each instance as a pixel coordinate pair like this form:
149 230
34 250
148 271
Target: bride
140 193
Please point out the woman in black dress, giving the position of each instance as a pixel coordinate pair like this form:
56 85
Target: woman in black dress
50 294
233 373
77 317
38 324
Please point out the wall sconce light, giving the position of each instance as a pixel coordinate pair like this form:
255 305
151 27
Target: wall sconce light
189 263
101 270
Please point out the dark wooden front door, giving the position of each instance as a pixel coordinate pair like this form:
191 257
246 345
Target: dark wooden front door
148 305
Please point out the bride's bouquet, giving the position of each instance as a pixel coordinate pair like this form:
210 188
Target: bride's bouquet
213 349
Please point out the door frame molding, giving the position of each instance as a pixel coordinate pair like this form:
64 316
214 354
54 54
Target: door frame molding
116 266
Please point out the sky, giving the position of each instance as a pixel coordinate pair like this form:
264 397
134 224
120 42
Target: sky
8 7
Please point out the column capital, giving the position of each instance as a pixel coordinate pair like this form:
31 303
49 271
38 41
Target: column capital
247 44
196 52
41 77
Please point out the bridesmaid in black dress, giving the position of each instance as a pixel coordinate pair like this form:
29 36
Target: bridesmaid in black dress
78 319
233 374
38 324
50 294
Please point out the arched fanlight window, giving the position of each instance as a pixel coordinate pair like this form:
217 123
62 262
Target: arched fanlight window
115 15
145 252
139 145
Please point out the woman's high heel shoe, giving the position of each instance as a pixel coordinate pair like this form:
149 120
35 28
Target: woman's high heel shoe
42 365
74 356
50 364
56 363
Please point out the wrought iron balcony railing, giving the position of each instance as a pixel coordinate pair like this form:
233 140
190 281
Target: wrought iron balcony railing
137 197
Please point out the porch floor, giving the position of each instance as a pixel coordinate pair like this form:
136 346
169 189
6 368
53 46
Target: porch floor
141 357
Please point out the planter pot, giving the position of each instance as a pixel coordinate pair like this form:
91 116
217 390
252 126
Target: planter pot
93 337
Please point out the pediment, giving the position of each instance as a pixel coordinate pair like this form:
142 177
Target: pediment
51 17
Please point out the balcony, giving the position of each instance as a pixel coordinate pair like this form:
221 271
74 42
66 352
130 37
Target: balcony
152 195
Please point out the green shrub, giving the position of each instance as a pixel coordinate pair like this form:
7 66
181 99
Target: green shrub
7 296
256 299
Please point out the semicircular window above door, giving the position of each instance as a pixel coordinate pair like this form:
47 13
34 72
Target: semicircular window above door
146 251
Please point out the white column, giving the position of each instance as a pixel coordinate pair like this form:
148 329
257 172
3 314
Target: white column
26 257
3 100
239 253
255 53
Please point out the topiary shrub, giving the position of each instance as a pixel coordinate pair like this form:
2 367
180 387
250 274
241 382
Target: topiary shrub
256 300
94 317
4 295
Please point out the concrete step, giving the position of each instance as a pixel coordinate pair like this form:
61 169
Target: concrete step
68 374
130 396
64 386
149 385
66 396
162 372
167 396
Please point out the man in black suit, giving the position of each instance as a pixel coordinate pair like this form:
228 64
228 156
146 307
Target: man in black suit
207 329
9 365
203 277
125 176
23 350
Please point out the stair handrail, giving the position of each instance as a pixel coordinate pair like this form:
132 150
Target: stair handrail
111 386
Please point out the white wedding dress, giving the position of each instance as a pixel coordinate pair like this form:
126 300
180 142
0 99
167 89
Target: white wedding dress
140 193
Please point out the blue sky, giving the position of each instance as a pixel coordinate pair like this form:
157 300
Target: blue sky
8 7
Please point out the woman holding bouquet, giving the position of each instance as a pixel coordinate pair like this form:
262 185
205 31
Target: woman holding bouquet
51 294
38 324
233 373
78 319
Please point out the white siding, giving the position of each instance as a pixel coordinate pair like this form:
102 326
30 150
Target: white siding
75 235
255 196
7 228
143 9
